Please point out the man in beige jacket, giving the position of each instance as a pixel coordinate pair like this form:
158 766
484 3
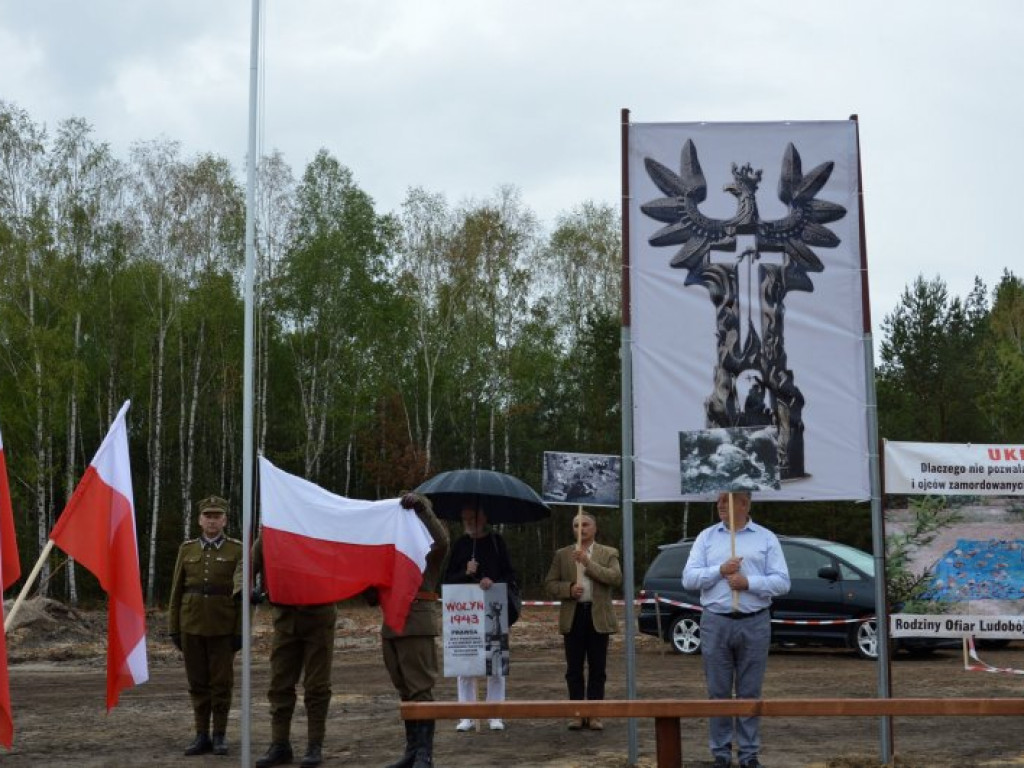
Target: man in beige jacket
582 576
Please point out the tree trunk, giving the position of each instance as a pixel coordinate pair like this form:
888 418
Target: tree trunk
69 476
187 427
155 472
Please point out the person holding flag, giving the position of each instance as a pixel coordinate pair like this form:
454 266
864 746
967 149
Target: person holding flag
315 549
410 652
302 646
204 620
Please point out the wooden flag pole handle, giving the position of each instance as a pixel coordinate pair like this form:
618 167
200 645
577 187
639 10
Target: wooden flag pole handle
28 584
732 546
579 543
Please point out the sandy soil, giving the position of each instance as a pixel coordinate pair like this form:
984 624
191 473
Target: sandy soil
57 690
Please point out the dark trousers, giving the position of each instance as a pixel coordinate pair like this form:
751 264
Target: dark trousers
585 645
209 666
412 664
303 645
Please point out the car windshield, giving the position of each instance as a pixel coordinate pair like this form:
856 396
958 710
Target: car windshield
862 561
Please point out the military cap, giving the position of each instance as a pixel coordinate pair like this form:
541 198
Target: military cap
213 504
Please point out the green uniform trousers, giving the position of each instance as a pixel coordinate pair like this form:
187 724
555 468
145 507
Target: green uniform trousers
210 669
303 644
412 664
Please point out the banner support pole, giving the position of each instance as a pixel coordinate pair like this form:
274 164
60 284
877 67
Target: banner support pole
626 361
875 479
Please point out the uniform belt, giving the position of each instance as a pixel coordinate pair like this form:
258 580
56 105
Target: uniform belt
741 614
208 589
424 595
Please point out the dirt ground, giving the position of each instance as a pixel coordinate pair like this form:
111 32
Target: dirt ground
57 662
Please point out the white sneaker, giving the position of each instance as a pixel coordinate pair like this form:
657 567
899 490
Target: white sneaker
497 725
464 725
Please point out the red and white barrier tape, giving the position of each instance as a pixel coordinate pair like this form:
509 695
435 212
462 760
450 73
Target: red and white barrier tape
981 666
797 622
698 609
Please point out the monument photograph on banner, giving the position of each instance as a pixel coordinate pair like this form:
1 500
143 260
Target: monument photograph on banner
582 478
715 460
746 299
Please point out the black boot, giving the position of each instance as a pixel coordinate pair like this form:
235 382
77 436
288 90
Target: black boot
279 753
200 745
406 760
425 745
220 743
314 755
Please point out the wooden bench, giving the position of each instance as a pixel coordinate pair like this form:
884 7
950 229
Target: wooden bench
668 712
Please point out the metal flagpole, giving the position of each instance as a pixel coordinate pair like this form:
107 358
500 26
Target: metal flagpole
247 390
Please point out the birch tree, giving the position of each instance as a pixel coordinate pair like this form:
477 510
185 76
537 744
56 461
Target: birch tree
499 236
155 167
22 169
83 182
207 234
429 272
275 190
329 288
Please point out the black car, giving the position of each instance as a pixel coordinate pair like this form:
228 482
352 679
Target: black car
831 600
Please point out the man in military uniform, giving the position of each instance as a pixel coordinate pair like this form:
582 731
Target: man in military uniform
411 657
303 644
205 622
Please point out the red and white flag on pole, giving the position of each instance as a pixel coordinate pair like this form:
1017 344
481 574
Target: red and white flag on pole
97 528
10 571
319 547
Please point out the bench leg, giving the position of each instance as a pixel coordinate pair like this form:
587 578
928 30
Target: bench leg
668 740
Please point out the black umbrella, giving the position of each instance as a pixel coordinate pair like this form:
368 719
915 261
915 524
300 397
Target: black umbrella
504 499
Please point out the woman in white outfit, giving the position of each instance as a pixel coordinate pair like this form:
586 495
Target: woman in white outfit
479 557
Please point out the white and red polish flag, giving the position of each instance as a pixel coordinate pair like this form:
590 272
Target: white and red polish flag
319 547
10 571
97 528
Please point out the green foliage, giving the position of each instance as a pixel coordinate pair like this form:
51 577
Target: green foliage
934 374
904 587
389 347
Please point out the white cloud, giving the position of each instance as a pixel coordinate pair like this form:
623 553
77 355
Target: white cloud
460 96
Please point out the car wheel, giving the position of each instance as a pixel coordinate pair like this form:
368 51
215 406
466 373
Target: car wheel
864 639
684 634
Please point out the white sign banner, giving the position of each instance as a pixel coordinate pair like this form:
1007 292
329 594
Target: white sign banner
744 312
475 630
954 469
949 625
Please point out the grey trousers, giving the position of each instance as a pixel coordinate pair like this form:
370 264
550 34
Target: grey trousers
735 654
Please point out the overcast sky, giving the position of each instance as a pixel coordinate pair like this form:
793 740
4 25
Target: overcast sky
461 96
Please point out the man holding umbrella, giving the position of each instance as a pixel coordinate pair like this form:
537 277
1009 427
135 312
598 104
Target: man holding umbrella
505 498
480 557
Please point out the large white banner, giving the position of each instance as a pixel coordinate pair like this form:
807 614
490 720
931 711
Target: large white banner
746 299
954 469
